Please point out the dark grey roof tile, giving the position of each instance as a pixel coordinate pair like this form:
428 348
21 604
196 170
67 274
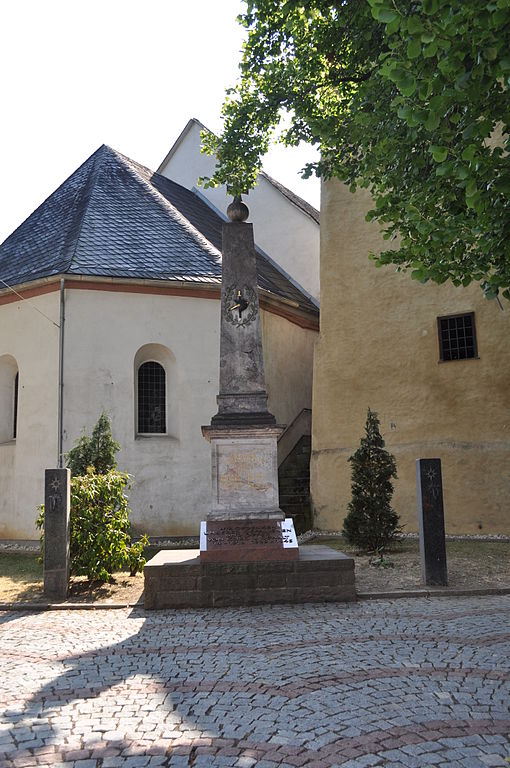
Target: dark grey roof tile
116 218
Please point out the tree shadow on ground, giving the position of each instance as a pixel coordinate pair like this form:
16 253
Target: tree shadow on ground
102 674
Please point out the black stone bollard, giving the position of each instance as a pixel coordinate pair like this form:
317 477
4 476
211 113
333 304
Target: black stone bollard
431 522
57 505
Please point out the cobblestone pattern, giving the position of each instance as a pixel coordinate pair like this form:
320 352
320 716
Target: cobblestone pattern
406 684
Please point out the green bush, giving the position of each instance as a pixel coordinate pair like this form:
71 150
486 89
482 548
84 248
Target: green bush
100 537
97 451
100 528
371 524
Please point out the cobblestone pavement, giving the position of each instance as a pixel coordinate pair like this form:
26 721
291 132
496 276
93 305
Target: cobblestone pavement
404 683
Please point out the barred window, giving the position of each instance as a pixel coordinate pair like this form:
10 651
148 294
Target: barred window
457 337
151 398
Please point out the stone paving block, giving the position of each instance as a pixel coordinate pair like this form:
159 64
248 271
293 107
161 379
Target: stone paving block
85 764
431 758
267 764
324 684
493 760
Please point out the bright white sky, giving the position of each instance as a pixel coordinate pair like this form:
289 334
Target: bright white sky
129 73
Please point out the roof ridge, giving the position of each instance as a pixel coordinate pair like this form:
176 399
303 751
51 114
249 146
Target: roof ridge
192 121
88 190
293 197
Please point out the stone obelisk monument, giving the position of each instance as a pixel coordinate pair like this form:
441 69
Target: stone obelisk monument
245 521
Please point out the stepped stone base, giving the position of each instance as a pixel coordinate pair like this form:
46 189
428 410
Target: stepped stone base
177 579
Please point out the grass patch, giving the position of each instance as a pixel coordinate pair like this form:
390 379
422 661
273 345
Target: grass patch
463 548
338 542
471 563
20 567
20 576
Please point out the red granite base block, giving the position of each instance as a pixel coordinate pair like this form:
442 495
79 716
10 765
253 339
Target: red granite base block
178 579
248 554
238 541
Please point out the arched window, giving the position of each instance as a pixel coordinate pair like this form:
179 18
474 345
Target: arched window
151 398
9 398
155 392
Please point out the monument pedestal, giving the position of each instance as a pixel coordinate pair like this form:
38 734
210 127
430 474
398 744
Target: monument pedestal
245 523
244 471
181 579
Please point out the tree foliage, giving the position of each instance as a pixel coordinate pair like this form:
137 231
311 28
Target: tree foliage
100 529
371 523
97 451
408 98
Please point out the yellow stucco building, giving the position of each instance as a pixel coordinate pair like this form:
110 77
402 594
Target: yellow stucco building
433 362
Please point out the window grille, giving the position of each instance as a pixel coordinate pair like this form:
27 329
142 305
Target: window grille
457 337
151 398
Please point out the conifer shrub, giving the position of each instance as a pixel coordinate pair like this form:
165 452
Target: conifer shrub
371 523
97 451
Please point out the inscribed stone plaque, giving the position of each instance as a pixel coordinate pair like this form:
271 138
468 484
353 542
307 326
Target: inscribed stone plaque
431 522
247 541
245 477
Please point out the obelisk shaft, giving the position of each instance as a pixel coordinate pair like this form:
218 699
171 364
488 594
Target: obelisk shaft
242 392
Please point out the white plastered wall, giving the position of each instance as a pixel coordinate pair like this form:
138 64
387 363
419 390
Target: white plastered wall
172 474
32 341
289 235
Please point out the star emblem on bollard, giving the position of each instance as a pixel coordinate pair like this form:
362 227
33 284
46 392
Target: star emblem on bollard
55 484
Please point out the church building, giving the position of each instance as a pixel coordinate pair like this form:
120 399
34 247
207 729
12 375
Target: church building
109 301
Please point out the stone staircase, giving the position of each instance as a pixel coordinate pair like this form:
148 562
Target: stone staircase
294 484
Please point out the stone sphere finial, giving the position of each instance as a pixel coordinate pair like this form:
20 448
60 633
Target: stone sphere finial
237 210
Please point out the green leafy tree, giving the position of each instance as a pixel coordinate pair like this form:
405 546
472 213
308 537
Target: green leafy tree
408 98
371 523
97 451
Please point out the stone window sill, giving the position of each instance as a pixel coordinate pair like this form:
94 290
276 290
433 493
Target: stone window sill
459 360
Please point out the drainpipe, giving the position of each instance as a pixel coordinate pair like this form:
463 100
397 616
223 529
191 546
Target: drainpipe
60 457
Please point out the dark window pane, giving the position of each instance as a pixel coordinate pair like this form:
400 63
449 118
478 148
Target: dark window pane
15 409
151 398
457 337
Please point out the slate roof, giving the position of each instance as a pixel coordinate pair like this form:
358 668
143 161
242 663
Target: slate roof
115 218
